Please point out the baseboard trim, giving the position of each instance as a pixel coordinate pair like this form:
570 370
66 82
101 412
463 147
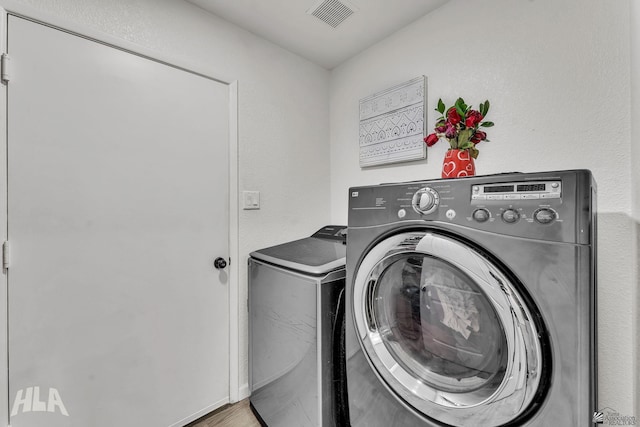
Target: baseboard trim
201 413
244 391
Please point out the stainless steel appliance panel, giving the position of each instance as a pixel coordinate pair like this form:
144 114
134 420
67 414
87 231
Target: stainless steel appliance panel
292 318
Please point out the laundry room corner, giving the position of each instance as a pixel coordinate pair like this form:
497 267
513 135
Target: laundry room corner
563 79
282 126
554 96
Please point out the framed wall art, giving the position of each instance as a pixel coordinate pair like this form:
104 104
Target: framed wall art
393 123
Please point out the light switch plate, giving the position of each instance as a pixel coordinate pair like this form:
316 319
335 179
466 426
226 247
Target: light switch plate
250 200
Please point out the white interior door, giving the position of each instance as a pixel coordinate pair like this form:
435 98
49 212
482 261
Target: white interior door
117 208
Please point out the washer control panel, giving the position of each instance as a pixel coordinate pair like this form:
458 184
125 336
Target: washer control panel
508 203
514 202
550 206
517 191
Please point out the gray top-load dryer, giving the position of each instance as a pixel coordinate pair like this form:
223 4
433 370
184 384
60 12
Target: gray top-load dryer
296 331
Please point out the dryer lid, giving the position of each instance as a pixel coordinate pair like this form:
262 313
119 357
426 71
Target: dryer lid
319 254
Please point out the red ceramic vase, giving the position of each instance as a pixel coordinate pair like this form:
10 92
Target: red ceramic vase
458 163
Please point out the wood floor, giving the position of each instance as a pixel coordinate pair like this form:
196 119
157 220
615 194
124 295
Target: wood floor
236 415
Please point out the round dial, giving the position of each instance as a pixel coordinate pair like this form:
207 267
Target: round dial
545 215
510 216
425 200
481 215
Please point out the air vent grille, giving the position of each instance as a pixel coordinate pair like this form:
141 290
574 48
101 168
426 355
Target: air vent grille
332 12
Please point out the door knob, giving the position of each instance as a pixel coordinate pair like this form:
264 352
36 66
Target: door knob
220 263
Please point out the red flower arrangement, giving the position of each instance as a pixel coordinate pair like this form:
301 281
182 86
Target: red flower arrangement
460 126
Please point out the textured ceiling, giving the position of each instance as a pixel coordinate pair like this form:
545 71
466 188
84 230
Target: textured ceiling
287 23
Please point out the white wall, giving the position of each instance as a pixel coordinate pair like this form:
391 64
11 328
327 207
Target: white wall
635 171
557 75
283 110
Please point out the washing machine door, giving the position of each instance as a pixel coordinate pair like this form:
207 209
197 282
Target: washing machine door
446 330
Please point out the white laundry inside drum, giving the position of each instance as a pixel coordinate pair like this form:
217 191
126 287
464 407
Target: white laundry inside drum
440 326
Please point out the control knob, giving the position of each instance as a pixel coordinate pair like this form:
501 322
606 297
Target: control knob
510 216
425 200
481 215
545 215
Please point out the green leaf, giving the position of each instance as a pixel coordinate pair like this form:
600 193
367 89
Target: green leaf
441 106
486 124
461 107
484 108
474 152
464 139
465 146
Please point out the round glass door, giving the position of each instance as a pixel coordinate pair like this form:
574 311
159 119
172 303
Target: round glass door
446 330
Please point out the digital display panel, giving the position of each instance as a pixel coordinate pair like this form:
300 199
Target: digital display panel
531 187
498 188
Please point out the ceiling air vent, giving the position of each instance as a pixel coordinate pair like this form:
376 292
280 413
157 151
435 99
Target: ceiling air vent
332 12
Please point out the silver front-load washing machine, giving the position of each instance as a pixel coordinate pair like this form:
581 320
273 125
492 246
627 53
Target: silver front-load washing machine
471 302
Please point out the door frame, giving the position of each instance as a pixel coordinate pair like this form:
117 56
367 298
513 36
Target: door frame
10 7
